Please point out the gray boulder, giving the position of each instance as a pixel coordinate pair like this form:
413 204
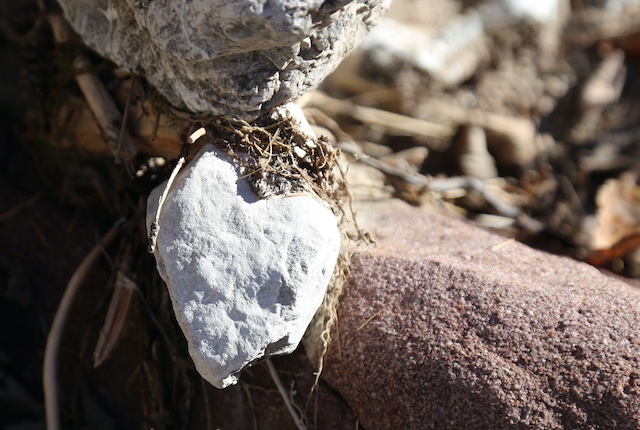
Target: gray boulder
225 57
245 275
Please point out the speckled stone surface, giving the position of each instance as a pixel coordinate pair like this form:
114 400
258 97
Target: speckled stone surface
442 327
226 57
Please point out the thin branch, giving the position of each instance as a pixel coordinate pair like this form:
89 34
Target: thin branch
437 185
104 109
154 230
283 392
125 117
207 406
388 120
384 167
245 387
50 379
100 101
22 206
470 183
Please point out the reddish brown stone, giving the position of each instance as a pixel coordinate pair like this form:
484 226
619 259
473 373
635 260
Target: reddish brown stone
447 326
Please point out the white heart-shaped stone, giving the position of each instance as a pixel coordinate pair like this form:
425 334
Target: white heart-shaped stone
245 275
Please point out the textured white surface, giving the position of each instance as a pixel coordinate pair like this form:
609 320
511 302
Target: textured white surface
245 275
440 55
542 11
226 57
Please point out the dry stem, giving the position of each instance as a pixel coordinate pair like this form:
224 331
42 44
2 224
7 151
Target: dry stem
155 225
50 379
283 392
100 101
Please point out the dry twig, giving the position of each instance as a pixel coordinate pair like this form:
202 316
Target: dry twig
50 379
100 102
19 208
116 318
436 185
389 120
155 225
283 392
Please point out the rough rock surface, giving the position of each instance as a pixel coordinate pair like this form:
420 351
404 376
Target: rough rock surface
245 275
449 57
228 57
447 326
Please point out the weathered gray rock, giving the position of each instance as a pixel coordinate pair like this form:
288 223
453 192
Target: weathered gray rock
449 56
226 57
446 326
542 11
245 275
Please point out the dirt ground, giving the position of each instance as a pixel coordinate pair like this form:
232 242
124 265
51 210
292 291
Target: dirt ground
538 141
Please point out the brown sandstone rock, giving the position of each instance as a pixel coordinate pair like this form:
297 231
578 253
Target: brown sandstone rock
446 326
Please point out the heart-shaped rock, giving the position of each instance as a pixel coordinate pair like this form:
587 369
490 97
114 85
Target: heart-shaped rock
245 275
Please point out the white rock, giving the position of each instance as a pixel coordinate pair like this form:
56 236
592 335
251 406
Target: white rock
225 57
546 18
449 56
619 6
542 11
245 275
